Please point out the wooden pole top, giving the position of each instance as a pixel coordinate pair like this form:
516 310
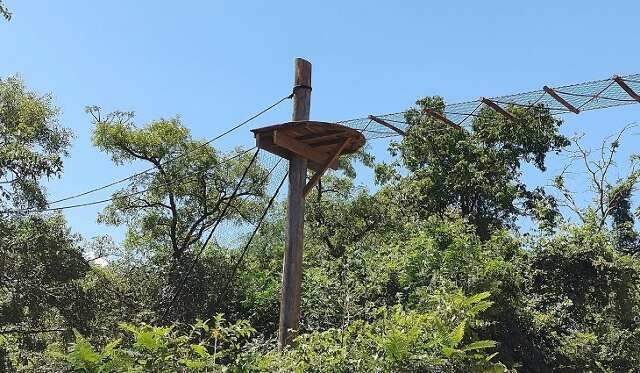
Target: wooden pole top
301 90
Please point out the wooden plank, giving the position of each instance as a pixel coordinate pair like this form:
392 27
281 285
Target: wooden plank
297 124
497 108
299 148
322 143
441 118
561 100
626 88
325 134
303 130
334 158
289 322
265 141
384 123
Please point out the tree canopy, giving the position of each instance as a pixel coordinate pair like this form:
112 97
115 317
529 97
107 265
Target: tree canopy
33 144
426 271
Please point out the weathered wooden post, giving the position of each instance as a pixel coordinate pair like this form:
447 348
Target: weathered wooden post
292 262
306 144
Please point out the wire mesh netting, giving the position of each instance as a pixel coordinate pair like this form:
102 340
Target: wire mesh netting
593 95
234 233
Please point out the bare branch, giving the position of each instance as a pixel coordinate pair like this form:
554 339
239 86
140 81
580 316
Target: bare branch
598 170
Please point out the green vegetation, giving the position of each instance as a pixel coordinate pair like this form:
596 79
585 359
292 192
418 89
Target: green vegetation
429 272
4 12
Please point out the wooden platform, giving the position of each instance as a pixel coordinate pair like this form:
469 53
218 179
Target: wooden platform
320 143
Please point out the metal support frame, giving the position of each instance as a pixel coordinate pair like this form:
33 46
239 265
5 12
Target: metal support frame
561 100
434 114
390 126
626 88
497 108
330 161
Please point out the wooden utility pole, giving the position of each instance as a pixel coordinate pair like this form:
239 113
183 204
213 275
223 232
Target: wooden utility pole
305 143
292 263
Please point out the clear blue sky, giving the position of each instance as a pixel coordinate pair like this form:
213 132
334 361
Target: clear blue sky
215 62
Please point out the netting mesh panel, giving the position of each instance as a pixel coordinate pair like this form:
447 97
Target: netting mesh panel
234 234
371 129
593 95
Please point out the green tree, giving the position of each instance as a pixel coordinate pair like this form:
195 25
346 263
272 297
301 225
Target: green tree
582 297
33 144
41 262
475 171
169 210
33 248
612 186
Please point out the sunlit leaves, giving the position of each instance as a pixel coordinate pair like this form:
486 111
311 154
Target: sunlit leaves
32 144
475 171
